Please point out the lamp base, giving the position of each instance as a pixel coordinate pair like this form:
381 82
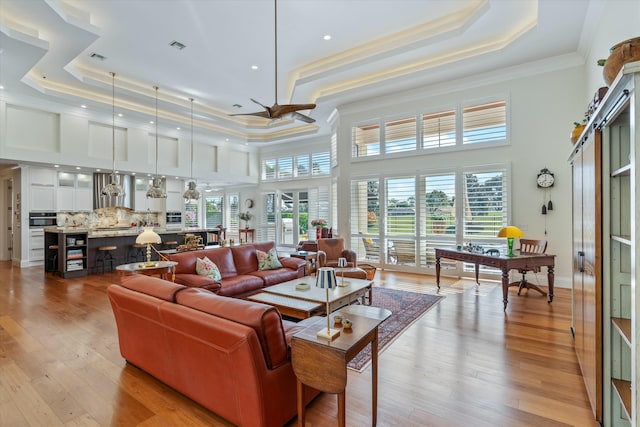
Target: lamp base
328 334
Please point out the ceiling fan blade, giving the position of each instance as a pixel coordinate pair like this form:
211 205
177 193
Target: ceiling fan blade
302 117
264 114
262 105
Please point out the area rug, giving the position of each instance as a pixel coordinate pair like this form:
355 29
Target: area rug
406 307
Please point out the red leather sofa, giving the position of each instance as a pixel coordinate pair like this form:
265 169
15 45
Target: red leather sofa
230 355
238 267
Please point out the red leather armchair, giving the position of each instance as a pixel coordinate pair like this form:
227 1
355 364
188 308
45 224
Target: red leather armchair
329 250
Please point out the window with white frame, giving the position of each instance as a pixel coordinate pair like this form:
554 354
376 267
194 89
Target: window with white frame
268 169
480 123
320 163
334 149
300 166
400 135
484 123
214 211
233 221
285 167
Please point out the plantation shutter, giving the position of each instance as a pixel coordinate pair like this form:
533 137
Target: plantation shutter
365 140
269 169
439 210
400 219
334 150
214 207
365 217
485 122
400 135
302 165
234 211
285 167
439 129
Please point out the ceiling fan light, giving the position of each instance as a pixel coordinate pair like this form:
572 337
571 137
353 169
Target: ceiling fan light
191 193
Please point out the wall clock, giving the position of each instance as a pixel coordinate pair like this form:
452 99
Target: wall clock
545 179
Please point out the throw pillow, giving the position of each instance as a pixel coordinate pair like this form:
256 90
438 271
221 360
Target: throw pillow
268 260
206 267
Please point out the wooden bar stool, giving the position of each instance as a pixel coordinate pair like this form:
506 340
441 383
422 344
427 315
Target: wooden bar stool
137 252
52 261
105 256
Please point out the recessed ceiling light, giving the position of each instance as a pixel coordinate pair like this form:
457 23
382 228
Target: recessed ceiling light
120 114
56 166
148 174
133 173
78 168
83 106
326 37
98 170
1 87
254 67
151 121
178 128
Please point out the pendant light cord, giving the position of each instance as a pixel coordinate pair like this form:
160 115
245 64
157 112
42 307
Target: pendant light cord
191 100
113 121
156 177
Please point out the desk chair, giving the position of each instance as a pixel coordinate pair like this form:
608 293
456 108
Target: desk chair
530 247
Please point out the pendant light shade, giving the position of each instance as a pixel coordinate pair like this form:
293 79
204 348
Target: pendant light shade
191 193
156 191
113 189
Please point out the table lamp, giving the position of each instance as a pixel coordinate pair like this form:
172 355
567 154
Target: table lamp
342 263
326 279
148 237
510 232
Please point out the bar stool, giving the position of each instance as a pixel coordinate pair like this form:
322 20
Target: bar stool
52 262
137 252
105 256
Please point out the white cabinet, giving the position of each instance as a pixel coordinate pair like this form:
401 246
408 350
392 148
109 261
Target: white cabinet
74 192
41 198
174 201
41 176
141 203
36 245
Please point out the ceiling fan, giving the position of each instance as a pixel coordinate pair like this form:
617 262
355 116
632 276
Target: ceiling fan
277 111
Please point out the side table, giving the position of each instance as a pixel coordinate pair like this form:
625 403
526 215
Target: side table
160 268
246 232
322 365
310 257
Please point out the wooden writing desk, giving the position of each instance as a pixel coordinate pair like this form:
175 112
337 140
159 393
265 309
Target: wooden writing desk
323 365
502 262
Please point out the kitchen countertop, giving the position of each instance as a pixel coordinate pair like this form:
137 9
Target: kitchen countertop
133 231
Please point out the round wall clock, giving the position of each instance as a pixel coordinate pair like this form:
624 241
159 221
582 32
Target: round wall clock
545 178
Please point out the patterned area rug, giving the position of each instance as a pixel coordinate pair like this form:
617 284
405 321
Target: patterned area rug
407 307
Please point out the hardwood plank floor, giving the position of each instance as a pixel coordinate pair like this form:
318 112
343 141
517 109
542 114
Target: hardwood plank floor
464 363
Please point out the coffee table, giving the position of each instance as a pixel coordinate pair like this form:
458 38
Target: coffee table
301 304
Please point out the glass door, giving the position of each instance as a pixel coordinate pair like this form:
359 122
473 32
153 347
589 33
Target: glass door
294 217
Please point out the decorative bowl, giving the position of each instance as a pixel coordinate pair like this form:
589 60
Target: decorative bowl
337 319
346 323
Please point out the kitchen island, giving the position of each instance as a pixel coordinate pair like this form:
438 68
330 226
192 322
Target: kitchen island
72 251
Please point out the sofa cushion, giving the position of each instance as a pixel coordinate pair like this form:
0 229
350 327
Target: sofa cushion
245 258
152 286
265 320
206 267
273 277
268 260
220 256
196 281
240 285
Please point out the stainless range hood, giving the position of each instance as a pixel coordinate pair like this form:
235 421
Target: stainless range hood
100 201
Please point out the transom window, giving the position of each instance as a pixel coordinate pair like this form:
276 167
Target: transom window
300 166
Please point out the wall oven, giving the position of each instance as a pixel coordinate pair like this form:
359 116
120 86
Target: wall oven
42 219
174 220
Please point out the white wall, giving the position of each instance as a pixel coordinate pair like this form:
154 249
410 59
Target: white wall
542 108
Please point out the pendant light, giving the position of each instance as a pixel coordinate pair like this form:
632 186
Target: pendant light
113 189
155 191
191 193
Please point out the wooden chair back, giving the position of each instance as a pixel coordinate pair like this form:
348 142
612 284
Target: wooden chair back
532 247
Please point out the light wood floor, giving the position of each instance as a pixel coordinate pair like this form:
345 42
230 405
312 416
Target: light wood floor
464 363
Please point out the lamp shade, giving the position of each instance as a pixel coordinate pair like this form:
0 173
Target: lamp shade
148 236
342 262
326 278
510 231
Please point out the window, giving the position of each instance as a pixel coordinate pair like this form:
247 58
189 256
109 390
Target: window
269 169
191 213
400 220
267 229
302 165
439 129
285 167
365 218
438 228
234 210
320 163
485 204
485 123
400 135
366 140
214 212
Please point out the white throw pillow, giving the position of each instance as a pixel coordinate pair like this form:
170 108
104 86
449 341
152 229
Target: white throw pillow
206 267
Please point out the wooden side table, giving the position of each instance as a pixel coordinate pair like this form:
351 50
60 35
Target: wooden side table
323 365
247 232
310 257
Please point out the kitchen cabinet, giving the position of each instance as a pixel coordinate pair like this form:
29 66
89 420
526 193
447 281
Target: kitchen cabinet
141 203
36 245
42 198
175 201
74 192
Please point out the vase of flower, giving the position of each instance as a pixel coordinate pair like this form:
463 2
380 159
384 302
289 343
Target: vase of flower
245 216
319 224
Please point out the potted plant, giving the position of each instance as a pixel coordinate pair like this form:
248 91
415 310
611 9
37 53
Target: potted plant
245 216
577 130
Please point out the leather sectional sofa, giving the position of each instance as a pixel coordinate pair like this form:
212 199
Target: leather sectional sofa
238 267
230 355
